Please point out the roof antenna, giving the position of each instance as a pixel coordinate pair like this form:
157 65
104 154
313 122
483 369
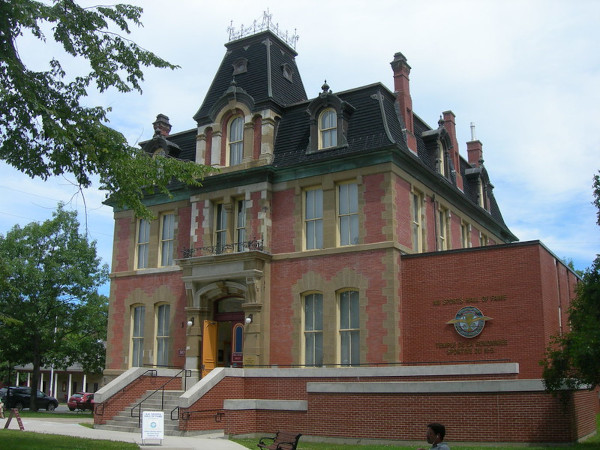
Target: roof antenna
472 131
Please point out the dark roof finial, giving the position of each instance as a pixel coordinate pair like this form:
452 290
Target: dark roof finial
441 122
325 87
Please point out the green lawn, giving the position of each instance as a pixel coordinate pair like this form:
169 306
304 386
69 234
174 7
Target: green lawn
27 440
591 444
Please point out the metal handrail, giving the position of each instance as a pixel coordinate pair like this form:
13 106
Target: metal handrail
99 408
186 373
219 413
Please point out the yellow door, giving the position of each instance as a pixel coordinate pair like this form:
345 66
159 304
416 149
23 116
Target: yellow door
209 346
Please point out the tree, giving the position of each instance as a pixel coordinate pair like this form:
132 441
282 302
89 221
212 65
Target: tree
45 128
53 274
573 359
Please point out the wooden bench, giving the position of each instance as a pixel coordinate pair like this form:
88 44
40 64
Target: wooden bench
283 440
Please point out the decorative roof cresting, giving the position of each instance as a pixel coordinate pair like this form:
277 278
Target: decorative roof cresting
261 25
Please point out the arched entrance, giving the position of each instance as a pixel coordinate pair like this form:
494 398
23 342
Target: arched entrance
224 335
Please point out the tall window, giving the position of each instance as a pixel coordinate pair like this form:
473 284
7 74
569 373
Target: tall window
465 232
236 141
441 160
137 336
162 335
313 218
483 240
313 330
417 221
348 213
220 228
167 237
349 328
240 225
143 242
480 193
328 129
443 234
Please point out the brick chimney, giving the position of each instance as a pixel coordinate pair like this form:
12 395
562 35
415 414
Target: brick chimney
162 125
449 124
475 152
402 88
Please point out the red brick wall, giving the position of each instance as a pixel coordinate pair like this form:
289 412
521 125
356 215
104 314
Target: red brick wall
403 212
123 287
283 222
374 189
372 265
514 285
478 417
132 393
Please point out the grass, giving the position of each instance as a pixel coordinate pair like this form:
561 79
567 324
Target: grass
590 444
28 440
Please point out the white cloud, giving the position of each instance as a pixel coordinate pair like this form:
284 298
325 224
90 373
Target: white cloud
526 72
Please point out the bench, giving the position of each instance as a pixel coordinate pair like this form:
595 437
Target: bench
283 440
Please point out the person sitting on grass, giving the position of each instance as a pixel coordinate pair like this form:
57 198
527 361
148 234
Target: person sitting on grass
435 436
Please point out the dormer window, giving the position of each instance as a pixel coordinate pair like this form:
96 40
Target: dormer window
328 129
236 141
441 160
329 121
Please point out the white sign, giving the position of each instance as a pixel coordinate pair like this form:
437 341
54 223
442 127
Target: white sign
153 425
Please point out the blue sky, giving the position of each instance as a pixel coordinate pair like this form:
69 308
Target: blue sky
526 73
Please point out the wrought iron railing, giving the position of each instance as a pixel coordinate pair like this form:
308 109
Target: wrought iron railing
235 247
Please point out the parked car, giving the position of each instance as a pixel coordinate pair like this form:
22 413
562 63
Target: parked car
81 400
20 397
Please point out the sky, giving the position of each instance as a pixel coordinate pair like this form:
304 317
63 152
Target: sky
525 72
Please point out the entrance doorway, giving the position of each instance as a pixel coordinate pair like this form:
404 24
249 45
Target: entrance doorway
224 336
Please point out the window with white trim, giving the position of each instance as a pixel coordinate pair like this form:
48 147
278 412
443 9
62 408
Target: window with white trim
313 218
443 231
137 335
313 329
328 128
240 225
167 238
483 239
143 243
220 227
236 141
465 233
162 334
348 213
349 328
417 221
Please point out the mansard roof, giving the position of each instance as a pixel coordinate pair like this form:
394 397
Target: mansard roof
266 76
264 67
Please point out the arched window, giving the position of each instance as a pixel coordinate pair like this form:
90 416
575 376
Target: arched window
349 328
236 141
137 335
328 129
163 313
313 329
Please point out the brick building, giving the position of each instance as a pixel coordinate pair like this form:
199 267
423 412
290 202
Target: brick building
343 239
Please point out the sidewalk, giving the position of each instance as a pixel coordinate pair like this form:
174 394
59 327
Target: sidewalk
71 427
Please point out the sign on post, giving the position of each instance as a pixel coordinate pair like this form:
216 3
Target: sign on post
153 425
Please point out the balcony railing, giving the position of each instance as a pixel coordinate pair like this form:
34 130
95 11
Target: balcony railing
235 247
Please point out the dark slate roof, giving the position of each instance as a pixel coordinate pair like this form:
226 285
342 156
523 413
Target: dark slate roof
372 126
258 77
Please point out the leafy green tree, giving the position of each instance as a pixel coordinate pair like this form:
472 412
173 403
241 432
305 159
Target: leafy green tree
53 274
573 358
45 127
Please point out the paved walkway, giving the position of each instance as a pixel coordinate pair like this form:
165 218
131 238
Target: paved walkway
71 427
